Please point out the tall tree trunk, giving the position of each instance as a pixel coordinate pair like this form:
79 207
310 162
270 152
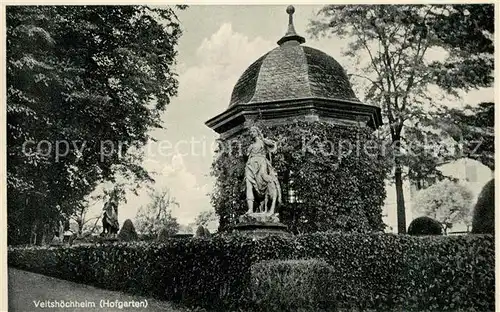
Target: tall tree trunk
400 199
398 177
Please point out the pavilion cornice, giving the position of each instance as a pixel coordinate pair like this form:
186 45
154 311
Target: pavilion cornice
320 107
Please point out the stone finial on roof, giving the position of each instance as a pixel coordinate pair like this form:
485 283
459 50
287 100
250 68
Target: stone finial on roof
291 34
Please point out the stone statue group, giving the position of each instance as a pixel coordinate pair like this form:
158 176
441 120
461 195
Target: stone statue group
263 190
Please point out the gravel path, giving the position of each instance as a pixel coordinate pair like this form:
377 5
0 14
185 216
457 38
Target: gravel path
30 292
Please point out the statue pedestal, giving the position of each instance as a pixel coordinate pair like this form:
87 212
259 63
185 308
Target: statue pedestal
261 224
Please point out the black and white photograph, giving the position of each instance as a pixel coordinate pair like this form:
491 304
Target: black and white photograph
323 157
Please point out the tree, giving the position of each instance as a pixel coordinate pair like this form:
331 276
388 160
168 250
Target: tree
446 201
396 41
205 218
466 32
127 232
91 229
425 150
157 215
81 101
473 129
89 225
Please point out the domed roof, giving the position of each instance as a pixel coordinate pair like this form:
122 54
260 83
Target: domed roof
296 81
292 71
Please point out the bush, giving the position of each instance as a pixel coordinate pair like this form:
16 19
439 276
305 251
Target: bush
483 221
127 232
292 285
378 271
425 226
200 231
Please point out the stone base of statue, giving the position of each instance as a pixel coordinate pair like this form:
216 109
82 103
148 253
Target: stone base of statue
260 225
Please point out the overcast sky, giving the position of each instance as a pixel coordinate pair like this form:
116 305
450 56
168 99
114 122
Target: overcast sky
218 44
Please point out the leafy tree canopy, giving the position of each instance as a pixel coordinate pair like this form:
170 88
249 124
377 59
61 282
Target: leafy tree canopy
473 129
85 84
205 218
403 53
447 202
157 215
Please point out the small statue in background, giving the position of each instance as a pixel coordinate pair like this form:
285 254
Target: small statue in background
110 225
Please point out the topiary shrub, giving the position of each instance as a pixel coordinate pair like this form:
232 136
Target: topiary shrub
292 285
483 220
324 188
164 234
200 231
425 226
127 232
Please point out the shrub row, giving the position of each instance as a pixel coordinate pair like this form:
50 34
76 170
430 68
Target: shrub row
379 271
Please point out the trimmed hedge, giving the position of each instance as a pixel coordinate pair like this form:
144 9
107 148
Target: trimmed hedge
379 271
292 285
